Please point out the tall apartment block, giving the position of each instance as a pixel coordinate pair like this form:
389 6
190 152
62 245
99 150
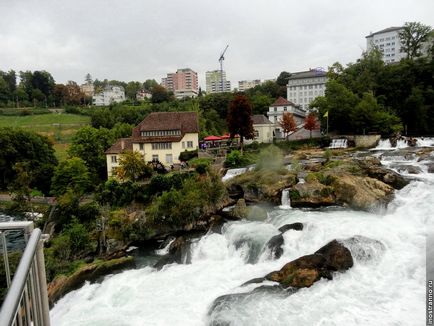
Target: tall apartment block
183 83
246 84
214 82
304 86
387 41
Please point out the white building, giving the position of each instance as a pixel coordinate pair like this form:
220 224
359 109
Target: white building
387 41
143 94
303 87
276 111
214 82
111 94
247 84
263 129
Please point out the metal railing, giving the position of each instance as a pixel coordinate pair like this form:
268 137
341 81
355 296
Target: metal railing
26 302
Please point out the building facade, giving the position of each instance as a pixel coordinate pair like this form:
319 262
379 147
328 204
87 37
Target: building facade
183 83
111 94
387 41
263 129
247 84
276 111
143 94
214 82
87 89
161 136
303 87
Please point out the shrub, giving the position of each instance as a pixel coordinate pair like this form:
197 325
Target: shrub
235 159
187 155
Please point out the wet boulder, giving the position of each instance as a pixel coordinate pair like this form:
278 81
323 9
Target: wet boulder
293 226
178 251
306 270
275 246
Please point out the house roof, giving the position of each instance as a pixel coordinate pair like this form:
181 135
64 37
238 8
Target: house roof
260 119
121 145
187 122
386 30
311 73
282 102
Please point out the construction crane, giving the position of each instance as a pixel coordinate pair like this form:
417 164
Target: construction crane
222 57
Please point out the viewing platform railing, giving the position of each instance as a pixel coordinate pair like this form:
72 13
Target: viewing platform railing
26 301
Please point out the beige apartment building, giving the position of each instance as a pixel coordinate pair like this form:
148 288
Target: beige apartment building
161 136
183 83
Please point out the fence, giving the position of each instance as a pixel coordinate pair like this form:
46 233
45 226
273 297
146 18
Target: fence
26 302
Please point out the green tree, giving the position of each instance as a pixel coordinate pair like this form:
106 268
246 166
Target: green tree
160 94
131 89
73 175
412 37
90 145
31 149
132 167
282 79
240 119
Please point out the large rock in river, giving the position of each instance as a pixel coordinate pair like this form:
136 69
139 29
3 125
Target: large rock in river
306 270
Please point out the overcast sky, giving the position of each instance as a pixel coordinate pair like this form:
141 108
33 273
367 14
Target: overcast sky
145 39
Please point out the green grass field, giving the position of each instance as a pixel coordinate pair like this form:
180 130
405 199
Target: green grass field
59 127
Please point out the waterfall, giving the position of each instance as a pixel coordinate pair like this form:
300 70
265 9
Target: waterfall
182 294
339 143
285 201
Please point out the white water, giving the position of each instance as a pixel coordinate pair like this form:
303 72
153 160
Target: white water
384 144
285 201
386 290
339 143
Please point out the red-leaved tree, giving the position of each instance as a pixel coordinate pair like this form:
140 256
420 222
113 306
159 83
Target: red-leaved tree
311 123
239 119
287 122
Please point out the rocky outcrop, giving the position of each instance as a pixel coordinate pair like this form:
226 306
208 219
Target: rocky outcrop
90 272
372 167
275 246
178 251
306 270
312 194
361 192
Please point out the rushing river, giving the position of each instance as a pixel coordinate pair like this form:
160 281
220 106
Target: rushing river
387 289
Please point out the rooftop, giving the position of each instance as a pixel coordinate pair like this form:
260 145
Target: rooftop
282 102
260 119
311 73
386 30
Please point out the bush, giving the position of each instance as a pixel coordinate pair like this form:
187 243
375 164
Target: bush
235 160
187 155
72 110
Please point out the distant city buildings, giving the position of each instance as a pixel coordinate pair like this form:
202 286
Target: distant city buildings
87 89
387 41
143 94
110 94
303 87
246 84
214 82
183 83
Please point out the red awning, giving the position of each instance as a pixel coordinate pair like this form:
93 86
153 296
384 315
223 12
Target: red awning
227 136
212 138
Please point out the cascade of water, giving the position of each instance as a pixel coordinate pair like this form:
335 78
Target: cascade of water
339 143
233 173
183 294
285 201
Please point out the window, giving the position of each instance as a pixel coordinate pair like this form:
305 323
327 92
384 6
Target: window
284 109
169 158
256 134
189 144
162 146
114 159
275 109
141 146
183 144
155 157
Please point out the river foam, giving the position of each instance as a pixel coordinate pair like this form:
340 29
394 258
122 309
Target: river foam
386 289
